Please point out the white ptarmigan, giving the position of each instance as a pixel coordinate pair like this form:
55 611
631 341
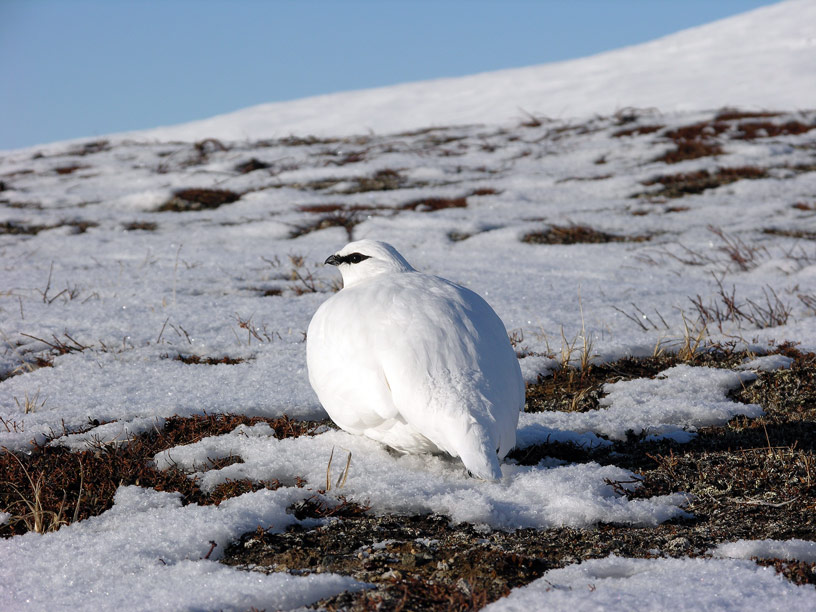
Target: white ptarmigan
415 361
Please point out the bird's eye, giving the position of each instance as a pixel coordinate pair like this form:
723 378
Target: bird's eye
356 258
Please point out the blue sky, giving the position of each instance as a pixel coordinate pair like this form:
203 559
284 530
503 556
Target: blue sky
76 68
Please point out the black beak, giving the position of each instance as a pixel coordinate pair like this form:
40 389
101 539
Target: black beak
333 260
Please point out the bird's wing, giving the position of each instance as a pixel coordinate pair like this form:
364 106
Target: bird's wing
343 370
420 349
452 372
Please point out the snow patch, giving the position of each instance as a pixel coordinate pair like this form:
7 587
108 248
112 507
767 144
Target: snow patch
136 556
672 405
794 549
620 584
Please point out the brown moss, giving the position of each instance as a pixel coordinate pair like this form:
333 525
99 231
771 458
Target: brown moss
790 233
68 169
637 131
17 228
731 114
199 360
694 141
251 166
750 130
196 199
484 191
78 226
145 226
688 183
576 234
337 208
345 219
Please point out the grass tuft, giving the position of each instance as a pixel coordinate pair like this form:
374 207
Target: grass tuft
434 204
682 184
196 199
637 131
37 488
576 234
145 226
251 166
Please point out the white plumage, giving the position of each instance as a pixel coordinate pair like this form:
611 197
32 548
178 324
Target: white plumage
415 361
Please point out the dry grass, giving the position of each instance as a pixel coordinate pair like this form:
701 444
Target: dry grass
37 488
576 234
345 219
434 204
386 179
682 184
798 234
29 508
703 139
63 170
251 165
693 141
77 226
144 226
196 199
30 404
750 130
731 114
638 131
199 360
725 307
18 228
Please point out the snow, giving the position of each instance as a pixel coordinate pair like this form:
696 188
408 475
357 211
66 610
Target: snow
621 584
767 363
123 303
147 553
674 403
794 549
543 496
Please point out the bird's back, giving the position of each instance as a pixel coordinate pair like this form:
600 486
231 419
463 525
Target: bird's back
421 356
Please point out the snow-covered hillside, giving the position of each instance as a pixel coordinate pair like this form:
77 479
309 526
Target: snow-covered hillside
765 58
152 278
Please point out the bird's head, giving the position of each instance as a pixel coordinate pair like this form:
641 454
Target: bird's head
363 259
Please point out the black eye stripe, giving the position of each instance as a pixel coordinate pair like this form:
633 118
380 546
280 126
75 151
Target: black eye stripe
353 258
